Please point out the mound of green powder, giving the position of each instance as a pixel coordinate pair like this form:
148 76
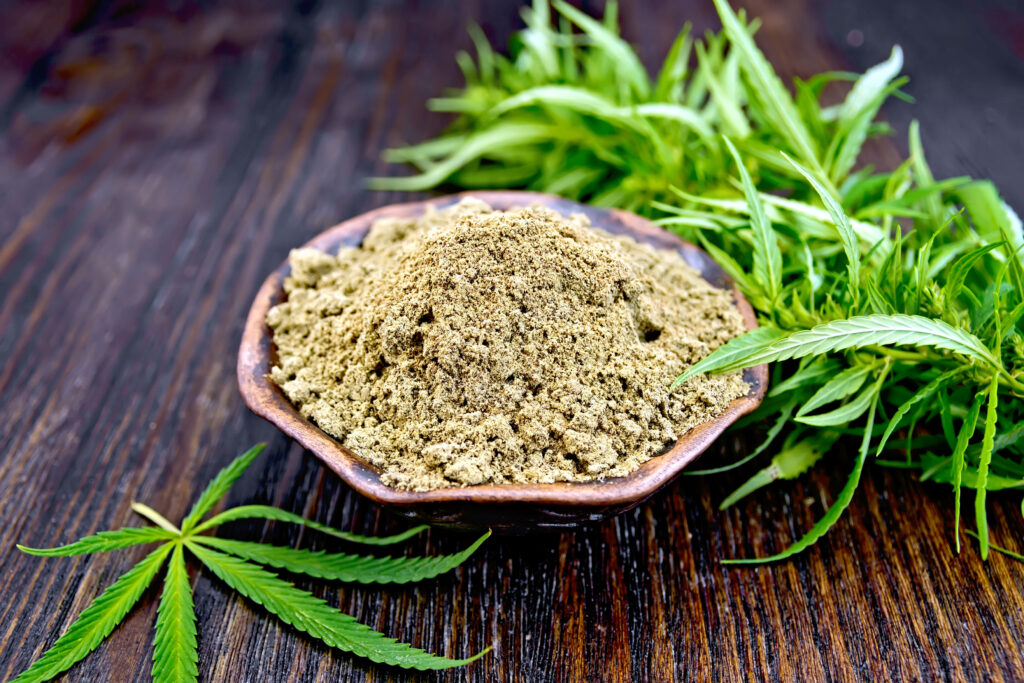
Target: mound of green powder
476 346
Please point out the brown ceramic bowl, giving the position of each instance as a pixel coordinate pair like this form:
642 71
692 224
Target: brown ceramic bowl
511 508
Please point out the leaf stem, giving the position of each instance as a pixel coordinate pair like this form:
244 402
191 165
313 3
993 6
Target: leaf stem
1017 387
899 354
154 516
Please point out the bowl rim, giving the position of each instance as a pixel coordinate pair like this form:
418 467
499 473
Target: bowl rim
268 401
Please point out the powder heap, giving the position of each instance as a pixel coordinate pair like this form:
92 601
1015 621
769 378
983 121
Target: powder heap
477 346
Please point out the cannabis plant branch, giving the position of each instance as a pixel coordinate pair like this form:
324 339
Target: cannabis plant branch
240 565
890 302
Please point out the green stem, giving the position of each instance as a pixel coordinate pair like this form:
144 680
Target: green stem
915 356
1011 381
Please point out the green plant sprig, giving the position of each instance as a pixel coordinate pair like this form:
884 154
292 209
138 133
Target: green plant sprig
237 564
571 111
891 304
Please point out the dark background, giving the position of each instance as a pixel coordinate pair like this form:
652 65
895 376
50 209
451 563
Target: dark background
157 161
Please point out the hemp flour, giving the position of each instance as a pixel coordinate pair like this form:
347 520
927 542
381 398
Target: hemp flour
475 346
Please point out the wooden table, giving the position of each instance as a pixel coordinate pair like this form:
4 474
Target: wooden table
157 163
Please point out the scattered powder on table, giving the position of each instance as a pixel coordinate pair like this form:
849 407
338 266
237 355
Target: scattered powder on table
476 346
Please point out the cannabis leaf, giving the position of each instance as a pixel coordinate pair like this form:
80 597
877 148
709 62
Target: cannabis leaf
174 646
734 352
845 496
850 269
342 566
219 486
105 540
97 621
852 333
767 256
851 245
778 105
963 439
310 614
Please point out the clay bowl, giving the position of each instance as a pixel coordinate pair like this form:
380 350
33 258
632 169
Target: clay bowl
510 508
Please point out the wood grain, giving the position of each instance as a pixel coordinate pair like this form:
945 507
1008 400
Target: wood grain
156 162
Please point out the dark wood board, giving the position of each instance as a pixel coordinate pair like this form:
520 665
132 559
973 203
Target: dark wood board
158 161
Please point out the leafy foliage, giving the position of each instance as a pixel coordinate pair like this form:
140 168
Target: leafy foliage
105 540
174 644
882 296
854 333
343 566
174 652
573 112
97 621
219 486
310 614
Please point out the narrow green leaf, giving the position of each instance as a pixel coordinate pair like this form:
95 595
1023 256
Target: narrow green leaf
789 463
869 233
958 272
812 221
1008 438
859 110
509 134
779 107
421 153
583 101
855 332
484 54
945 254
872 83
993 482
343 566
923 173
276 514
569 97
309 614
847 382
678 113
733 120
760 479
844 414
980 514
990 215
946 418
877 301
907 203
538 39
847 236
924 393
219 486
104 541
810 374
669 84
793 462
627 64
957 467
746 285
174 645
767 255
97 621
733 352
781 421
842 501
